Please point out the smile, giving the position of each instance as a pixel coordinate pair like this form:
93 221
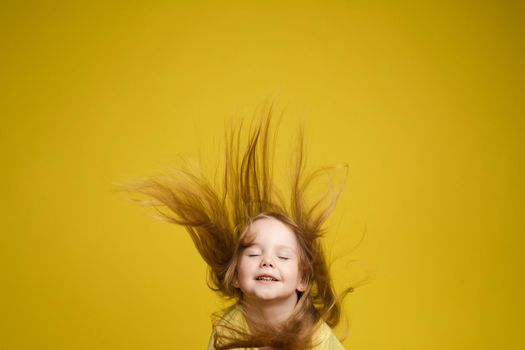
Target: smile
266 278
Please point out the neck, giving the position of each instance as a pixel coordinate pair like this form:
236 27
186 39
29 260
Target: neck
273 312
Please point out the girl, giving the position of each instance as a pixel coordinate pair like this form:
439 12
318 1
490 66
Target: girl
263 249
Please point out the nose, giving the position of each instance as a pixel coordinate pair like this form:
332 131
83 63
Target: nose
267 262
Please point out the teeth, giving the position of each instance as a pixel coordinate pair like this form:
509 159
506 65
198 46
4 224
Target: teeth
266 278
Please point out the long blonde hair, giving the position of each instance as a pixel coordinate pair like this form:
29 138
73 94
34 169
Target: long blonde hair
217 214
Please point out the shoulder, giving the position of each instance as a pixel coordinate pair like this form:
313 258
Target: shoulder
232 316
229 320
325 339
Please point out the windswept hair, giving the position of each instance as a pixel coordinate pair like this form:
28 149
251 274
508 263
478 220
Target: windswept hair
217 214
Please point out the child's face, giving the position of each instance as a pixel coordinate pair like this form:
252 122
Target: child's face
268 269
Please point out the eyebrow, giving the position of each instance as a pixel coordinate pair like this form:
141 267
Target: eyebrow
280 246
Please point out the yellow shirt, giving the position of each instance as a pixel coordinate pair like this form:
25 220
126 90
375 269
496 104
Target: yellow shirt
324 336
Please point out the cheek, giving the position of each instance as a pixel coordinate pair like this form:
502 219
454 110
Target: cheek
290 270
296 272
244 268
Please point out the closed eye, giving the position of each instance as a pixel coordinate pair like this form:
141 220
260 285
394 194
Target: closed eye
253 255
284 258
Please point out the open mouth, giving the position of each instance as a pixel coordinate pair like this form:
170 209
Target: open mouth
266 278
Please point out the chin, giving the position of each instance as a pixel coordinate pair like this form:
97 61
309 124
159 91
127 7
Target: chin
262 296
265 296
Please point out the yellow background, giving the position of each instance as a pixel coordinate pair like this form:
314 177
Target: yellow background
424 100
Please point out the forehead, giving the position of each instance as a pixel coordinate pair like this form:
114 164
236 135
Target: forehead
270 231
